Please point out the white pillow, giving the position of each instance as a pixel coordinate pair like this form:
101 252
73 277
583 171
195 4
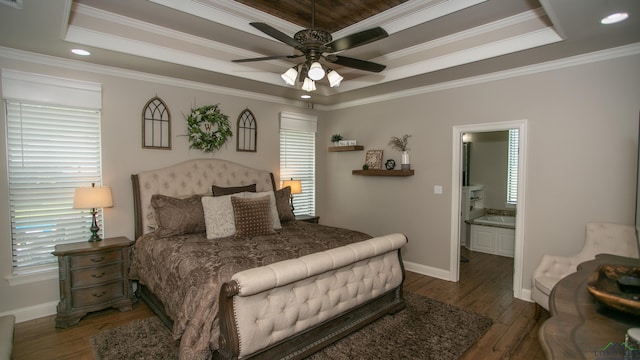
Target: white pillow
218 216
275 218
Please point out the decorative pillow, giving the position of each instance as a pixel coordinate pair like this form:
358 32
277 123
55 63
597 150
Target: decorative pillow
221 191
218 216
274 210
175 216
283 198
252 216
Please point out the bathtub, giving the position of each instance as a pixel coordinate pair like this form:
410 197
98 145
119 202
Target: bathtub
493 234
507 221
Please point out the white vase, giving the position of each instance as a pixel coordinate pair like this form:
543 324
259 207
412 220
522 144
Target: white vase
405 163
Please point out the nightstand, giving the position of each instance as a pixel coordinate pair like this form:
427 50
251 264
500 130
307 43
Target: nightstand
308 218
93 276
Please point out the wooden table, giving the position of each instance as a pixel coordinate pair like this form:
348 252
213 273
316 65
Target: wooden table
580 327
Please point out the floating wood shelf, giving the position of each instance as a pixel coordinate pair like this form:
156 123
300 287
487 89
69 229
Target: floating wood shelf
346 148
383 172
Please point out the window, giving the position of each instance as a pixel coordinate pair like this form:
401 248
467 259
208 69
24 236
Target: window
512 168
53 146
298 158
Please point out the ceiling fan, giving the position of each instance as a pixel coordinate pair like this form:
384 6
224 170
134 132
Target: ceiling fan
316 44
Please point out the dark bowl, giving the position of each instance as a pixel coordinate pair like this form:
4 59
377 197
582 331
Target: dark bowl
629 284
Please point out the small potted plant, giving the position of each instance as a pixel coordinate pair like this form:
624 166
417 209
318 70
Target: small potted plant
335 139
401 144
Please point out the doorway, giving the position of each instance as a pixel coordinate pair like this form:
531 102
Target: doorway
457 182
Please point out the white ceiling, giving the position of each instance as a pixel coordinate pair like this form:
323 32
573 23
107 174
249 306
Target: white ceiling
431 41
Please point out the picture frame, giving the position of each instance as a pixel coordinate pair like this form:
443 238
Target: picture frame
374 159
347 143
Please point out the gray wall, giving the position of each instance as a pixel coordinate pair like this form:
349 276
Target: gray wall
123 99
582 143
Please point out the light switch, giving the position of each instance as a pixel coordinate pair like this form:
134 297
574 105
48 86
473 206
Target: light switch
437 189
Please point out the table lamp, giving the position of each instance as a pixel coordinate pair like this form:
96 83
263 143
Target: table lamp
91 198
296 188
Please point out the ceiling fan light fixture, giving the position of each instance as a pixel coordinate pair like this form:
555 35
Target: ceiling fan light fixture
290 76
316 72
309 85
334 78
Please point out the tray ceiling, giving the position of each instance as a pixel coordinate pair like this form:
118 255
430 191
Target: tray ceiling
430 42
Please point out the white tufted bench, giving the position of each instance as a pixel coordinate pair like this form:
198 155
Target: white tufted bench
278 301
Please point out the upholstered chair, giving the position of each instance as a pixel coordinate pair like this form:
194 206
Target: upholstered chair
601 238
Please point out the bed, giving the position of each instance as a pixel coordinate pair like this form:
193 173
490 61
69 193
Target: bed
283 291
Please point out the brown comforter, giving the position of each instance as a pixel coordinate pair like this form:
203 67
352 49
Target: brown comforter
185 272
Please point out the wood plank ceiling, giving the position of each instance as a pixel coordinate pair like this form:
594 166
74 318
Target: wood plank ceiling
330 15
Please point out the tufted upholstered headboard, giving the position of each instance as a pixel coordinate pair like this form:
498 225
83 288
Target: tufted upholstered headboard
189 178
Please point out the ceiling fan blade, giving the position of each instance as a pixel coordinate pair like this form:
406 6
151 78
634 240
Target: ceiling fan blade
358 64
357 39
267 58
276 34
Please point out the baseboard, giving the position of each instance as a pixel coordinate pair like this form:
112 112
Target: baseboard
33 312
427 270
525 294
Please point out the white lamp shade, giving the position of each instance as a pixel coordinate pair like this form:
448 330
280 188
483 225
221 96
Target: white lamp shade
92 197
334 78
296 186
290 76
308 85
316 72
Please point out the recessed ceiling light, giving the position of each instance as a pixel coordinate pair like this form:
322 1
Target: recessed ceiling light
305 96
81 52
614 18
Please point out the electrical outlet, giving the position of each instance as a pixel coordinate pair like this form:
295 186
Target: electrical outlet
437 189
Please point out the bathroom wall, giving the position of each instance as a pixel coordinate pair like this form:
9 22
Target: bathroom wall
488 166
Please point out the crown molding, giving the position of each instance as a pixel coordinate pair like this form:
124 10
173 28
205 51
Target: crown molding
409 14
69 64
602 55
238 16
465 56
97 38
23 56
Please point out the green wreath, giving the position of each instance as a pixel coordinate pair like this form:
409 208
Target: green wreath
208 128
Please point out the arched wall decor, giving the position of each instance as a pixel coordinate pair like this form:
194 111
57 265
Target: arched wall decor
156 125
247 134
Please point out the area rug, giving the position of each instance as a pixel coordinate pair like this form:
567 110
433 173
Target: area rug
425 329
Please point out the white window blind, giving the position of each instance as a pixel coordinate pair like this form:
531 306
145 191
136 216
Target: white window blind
298 159
512 167
51 150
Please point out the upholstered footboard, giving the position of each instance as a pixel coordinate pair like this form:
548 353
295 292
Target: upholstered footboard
292 308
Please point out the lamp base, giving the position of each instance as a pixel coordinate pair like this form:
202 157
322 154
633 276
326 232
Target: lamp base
94 227
94 238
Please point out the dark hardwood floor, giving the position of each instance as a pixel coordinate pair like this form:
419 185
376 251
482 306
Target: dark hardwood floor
485 287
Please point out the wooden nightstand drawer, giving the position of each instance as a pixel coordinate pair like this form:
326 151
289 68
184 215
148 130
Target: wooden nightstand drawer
96 259
96 295
96 276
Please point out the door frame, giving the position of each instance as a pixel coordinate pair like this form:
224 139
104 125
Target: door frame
456 188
